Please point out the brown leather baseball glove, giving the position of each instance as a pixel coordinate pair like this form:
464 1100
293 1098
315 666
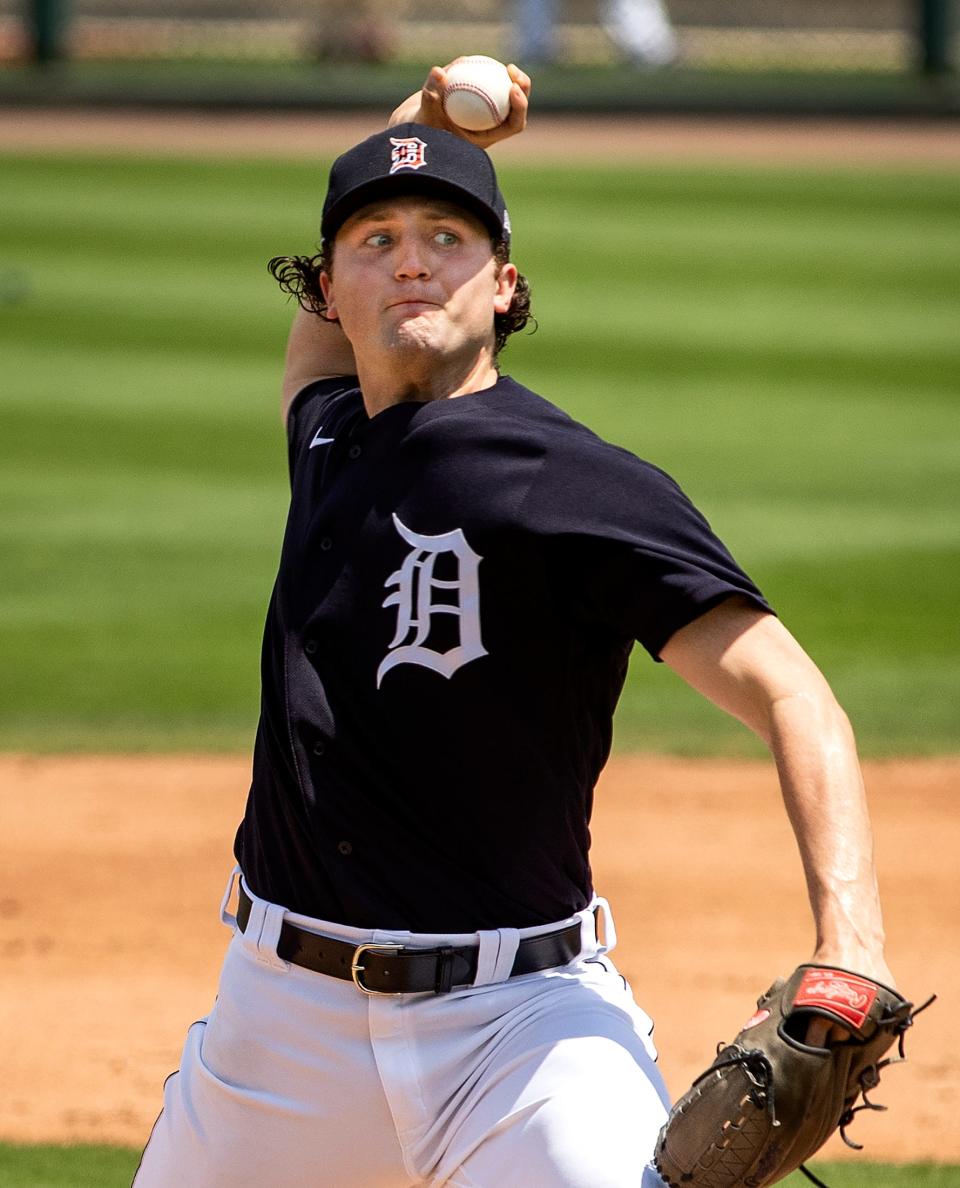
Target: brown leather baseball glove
769 1101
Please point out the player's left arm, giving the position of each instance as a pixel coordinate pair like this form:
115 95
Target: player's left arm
745 661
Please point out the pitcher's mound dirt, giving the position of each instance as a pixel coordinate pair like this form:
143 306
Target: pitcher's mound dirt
111 871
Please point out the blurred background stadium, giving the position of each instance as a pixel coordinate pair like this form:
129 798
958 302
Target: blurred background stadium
824 55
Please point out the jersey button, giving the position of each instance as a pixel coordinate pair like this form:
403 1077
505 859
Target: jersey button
310 647
354 452
345 848
319 748
326 544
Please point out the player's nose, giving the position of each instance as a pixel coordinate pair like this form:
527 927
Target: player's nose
411 262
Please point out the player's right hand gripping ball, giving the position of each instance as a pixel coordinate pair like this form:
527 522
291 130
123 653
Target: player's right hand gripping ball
769 1101
477 94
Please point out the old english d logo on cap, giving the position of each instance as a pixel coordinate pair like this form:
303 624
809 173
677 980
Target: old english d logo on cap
412 158
409 152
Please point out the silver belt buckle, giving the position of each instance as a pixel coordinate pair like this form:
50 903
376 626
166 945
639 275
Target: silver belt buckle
356 969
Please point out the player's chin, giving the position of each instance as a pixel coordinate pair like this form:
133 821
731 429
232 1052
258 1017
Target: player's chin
420 329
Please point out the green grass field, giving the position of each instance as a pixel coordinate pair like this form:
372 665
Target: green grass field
784 342
106 1167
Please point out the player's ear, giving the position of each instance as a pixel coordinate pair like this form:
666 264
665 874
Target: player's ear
506 284
326 288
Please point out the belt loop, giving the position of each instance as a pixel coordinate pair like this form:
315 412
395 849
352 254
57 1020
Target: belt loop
270 937
601 912
496 955
509 943
250 937
262 932
225 916
488 947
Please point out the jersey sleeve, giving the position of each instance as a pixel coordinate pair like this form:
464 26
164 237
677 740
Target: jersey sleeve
641 559
308 410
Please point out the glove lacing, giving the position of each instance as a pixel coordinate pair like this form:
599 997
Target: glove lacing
870 1079
760 1071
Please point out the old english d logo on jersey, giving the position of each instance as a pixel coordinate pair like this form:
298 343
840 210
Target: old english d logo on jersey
409 152
417 607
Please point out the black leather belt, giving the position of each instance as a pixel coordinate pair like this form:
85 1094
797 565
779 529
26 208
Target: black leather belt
396 969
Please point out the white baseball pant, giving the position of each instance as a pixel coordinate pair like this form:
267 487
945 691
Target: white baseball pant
298 1080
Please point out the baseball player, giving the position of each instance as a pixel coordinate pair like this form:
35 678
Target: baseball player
418 989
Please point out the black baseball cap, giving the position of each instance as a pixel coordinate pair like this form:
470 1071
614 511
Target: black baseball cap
414 159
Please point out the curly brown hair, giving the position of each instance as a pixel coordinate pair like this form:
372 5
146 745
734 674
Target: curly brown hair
300 276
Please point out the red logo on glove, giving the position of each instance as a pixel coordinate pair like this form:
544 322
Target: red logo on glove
844 995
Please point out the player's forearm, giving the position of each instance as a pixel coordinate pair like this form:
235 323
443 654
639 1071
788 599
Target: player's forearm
316 349
814 749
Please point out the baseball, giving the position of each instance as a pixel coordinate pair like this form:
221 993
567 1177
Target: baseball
477 94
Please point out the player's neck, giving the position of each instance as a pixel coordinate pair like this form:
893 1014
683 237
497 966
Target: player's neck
423 381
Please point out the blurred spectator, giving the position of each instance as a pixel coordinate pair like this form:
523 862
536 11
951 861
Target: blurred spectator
362 31
640 28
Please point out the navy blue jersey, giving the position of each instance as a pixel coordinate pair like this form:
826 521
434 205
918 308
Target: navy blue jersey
460 587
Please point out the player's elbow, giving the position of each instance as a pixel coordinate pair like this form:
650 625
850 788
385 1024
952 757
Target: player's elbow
808 719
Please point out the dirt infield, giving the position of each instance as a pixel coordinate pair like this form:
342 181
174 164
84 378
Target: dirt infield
111 870
634 139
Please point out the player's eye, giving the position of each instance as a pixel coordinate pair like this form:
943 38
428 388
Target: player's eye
446 238
378 239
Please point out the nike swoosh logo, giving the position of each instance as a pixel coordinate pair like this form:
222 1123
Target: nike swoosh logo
318 440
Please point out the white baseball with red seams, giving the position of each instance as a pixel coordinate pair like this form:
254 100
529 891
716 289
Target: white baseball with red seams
477 94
